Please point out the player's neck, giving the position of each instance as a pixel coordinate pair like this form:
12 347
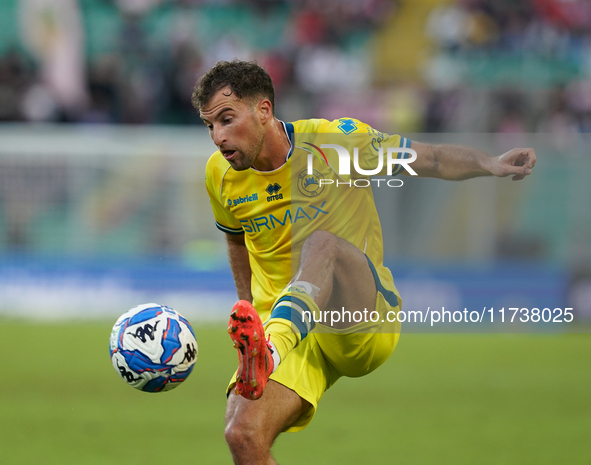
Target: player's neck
276 146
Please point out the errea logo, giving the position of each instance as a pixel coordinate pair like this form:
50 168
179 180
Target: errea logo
273 191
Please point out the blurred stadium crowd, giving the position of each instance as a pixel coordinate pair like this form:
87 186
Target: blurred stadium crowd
527 63
536 54
136 61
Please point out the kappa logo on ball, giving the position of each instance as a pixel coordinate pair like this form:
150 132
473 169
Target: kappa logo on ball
146 330
190 353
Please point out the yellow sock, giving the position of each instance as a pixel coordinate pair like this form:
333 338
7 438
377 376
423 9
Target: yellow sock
292 317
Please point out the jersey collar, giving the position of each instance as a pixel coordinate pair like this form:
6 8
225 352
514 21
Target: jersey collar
289 132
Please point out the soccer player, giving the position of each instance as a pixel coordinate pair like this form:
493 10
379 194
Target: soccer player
305 247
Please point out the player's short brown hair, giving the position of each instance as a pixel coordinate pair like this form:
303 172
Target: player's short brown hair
246 79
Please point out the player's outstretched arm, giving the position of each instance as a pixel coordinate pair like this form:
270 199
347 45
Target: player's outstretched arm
457 162
240 265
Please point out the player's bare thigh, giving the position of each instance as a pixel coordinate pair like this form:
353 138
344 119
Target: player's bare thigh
341 272
262 420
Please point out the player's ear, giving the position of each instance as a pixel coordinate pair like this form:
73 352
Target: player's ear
264 110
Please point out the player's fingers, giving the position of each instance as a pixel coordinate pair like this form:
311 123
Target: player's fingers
522 157
520 172
531 158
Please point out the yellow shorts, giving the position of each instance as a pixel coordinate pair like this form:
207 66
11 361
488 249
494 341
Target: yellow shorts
326 355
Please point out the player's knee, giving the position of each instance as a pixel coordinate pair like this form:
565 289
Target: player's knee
322 236
241 437
339 249
236 437
324 240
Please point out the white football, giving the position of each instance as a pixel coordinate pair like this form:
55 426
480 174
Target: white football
153 347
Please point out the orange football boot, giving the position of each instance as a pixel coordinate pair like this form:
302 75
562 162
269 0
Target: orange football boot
255 360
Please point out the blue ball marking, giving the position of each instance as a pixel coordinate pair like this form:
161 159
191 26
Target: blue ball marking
170 340
181 376
155 385
140 363
187 324
144 315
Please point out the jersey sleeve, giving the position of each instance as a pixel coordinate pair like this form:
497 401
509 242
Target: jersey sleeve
370 144
214 178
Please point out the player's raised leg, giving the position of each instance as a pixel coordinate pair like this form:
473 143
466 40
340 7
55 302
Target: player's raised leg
252 427
340 273
333 276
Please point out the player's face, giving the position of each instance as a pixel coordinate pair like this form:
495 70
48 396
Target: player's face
234 128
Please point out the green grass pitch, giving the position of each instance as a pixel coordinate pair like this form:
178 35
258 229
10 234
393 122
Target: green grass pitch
440 399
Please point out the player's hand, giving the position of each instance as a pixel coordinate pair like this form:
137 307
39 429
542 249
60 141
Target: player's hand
516 162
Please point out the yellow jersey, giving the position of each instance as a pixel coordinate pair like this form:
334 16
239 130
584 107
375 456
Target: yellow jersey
277 210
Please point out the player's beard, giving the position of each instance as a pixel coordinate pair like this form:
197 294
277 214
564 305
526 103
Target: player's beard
246 160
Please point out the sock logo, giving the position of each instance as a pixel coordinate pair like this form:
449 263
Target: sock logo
298 290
